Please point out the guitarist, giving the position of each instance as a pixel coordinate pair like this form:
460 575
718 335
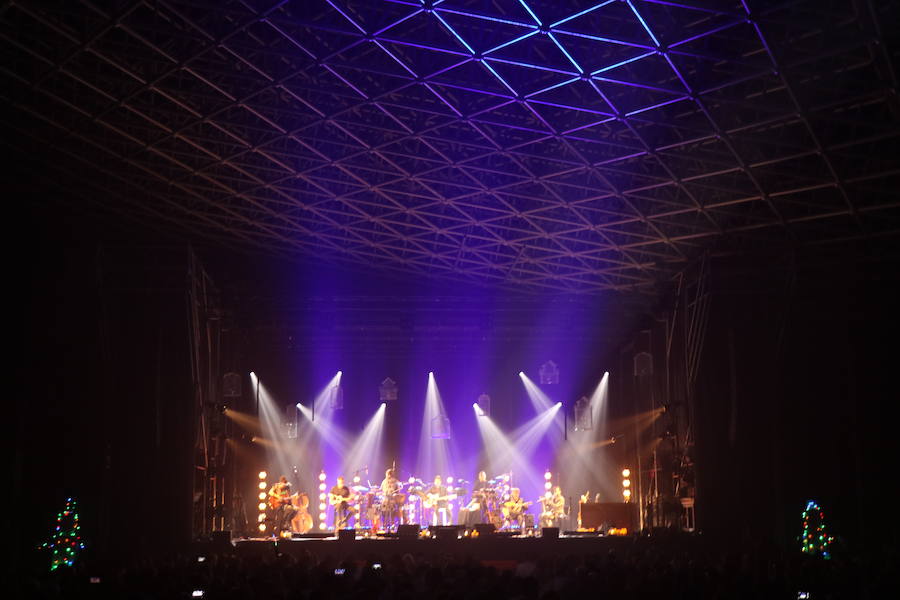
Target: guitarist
283 509
436 502
339 498
514 509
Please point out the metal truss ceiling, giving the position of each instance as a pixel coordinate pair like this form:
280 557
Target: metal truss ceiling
557 144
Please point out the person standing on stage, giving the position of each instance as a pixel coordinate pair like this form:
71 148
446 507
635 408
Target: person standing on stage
339 498
436 500
280 502
390 504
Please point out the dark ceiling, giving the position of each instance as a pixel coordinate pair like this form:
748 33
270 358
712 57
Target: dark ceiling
545 144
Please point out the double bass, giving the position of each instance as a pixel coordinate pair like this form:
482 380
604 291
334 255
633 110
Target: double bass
302 521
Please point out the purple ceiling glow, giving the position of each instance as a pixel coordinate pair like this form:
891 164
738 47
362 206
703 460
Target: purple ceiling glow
548 144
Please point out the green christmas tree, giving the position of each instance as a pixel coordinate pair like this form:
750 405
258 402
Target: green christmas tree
815 539
65 541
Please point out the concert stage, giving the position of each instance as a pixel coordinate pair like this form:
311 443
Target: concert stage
495 549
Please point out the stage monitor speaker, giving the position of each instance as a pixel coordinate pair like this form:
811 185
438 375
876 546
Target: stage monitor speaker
408 532
485 529
346 535
444 532
551 533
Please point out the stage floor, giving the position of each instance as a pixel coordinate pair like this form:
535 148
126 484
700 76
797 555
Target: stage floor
488 549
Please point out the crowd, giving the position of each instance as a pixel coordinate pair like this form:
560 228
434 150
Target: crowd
634 572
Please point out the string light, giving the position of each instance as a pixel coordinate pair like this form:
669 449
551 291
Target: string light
66 540
815 539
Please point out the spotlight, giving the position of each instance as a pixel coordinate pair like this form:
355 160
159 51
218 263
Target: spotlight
548 475
547 485
321 506
627 494
261 517
431 373
340 373
383 404
521 373
356 479
322 476
262 526
262 506
252 374
449 480
411 480
299 405
322 487
262 485
559 403
626 483
262 495
626 472
263 474
321 495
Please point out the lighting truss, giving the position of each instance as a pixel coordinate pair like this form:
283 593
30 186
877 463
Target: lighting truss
575 146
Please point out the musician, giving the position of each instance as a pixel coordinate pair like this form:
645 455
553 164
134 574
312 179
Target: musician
283 509
554 508
339 497
390 506
514 509
477 509
390 485
437 500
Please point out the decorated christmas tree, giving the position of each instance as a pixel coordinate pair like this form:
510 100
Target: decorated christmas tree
815 539
65 541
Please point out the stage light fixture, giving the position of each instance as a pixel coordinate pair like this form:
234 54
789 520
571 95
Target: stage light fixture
549 373
262 495
484 405
262 506
262 485
262 527
548 475
440 428
387 391
449 480
626 472
322 506
263 475
627 494
321 487
626 483
322 476
356 479
322 495
547 485
261 517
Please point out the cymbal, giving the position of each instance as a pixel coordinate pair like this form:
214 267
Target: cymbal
360 488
